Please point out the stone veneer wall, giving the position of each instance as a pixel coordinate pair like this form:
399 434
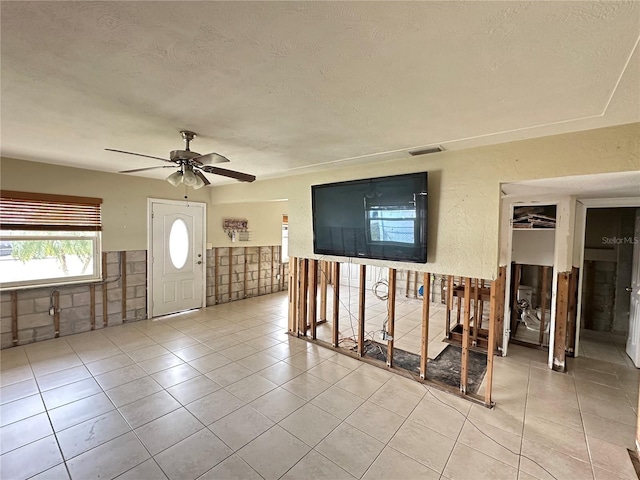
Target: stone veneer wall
35 323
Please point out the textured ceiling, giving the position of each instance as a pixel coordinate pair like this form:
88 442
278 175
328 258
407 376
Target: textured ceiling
285 87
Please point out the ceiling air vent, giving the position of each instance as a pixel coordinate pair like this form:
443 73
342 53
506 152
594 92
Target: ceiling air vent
426 151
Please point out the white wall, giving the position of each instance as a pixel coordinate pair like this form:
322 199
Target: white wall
464 193
534 247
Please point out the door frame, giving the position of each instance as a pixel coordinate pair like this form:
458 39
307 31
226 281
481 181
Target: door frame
150 203
508 205
582 205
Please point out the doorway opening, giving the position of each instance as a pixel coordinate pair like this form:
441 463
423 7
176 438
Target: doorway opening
607 284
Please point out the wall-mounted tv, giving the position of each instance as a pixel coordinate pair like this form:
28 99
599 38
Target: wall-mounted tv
382 218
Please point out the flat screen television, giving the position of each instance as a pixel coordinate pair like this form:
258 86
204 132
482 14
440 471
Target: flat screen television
382 218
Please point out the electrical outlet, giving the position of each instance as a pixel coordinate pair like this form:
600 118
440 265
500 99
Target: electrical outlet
52 311
278 276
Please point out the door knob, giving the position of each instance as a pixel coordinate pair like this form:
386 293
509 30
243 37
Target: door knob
199 262
629 289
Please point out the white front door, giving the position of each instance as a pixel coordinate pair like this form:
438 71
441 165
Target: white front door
633 340
177 256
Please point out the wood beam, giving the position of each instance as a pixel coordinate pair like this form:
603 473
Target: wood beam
562 311
495 288
424 351
293 294
323 290
391 308
449 304
415 285
272 264
105 303
543 304
244 273
303 286
406 292
230 271
56 313
476 328
216 275
92 305
259 267
464 369
361 312
573 310
123 284
313 293
336 304
14 317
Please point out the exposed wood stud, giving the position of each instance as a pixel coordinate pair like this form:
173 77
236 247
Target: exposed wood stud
293 294
361 312
543 303
424 350
56 313
313 293
406 289
323 290
391 307
14 317
259 267
500 307
336 304
572 310
449 304
464 368
105 303
216 275
415 284
562 310
244 274
271 269
92 305
517 274
230 272
491 341
481 308
458 305
123 284
476 294
303 285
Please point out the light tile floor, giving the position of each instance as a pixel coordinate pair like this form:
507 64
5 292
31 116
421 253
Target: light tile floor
224 393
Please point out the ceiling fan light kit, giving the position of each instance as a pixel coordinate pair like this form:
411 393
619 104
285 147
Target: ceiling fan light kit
191 165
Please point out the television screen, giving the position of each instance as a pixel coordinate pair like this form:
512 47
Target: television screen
383 218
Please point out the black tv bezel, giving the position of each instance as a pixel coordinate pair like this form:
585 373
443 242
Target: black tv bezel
422 258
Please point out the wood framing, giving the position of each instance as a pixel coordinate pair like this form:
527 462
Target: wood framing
543 303
272 264
464 369
244 273
361 311
293 294
424 350
230 271
14 317
415 284
313 294
259 267
92 305
391 308
56 313
572 311
488 382
476 309
449 305
123 284
303 282
323 290
336 305
105 303
216 275
562 312
406 292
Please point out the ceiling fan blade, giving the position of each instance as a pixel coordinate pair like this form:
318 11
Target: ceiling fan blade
211 159
243 177
138 154
202 177
146 168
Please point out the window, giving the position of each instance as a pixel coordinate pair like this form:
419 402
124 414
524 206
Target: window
284 258
48 239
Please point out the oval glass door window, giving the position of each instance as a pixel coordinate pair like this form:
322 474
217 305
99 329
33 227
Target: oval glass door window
179 243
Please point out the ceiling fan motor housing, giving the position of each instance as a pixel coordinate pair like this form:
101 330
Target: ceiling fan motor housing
177 155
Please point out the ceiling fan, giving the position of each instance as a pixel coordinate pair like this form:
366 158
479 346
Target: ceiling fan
190 165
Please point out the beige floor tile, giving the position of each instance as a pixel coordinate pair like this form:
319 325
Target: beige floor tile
306 386
16 374
271 467
70 393
340 403
193 352
340 444
80 411
250 388
277 404
499 444
310 424
393 464
565 440
329 372
466 461
437 416
610 431
87 435
180 343
157 364
304 360
109 459
132 391
376 421
17 391
317 467
611 457
168 430
395 400
214 406
557 463
209 362
48 366
147 352
63 377
59 472
555 412
20 409
148 408
258 361
499 417
423 445
23 432
359 384
108 364
233 468
27 461
120 376
238 351
240 427
617 409
175 375
280 373
193 389
231 373
148 470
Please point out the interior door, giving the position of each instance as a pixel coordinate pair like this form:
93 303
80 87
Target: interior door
633 341
177 257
